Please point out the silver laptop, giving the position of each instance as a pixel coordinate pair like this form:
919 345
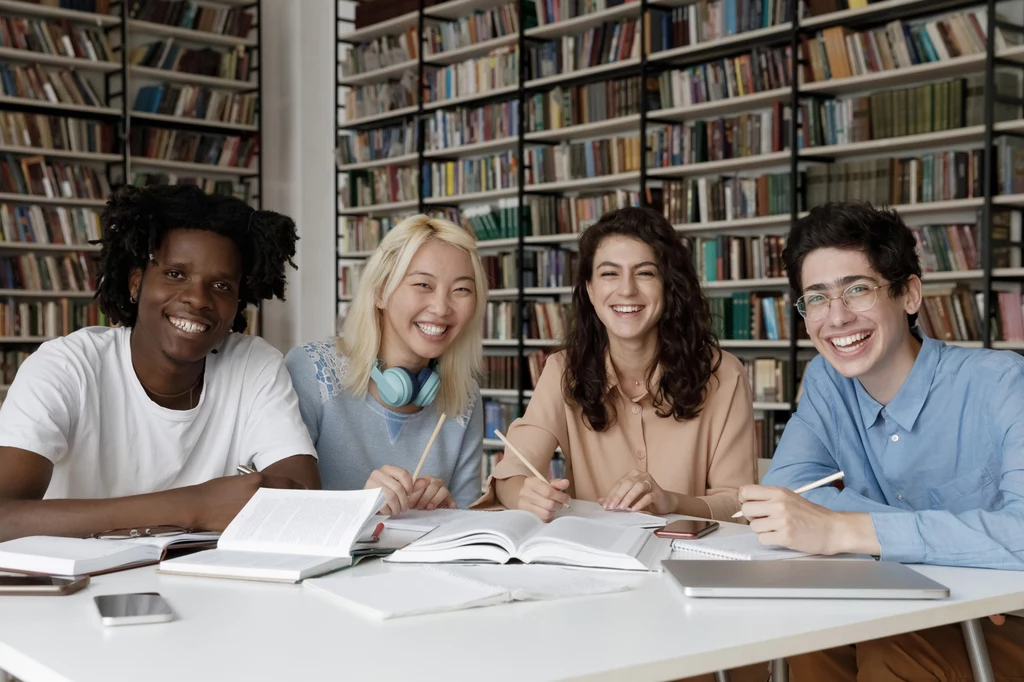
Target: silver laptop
804 579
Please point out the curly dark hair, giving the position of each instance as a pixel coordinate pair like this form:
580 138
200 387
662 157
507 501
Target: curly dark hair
880 234
136 220
688 350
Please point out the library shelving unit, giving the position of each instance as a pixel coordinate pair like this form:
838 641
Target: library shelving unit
76 121
734 117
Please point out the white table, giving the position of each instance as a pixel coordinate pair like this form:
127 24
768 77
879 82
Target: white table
237 630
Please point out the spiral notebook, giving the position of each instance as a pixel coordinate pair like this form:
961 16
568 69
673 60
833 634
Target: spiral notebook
744 547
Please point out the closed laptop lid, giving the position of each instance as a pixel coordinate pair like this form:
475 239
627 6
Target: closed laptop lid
803 579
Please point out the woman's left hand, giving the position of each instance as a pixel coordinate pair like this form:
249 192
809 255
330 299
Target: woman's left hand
636 491
430 493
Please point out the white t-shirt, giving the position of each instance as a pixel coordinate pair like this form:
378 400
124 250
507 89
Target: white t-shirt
77 402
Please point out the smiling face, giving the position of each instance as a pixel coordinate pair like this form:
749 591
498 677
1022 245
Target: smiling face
188 294
872 344
626 289
431 306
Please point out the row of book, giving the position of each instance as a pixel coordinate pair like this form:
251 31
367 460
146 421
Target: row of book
170 55
502 371
230 188
44 319
378 143
56 132
582 159
553 11
838 52
362 233
498 415
64 86
724 257
34 175
478 27
466 176
380 53
45 272
234 21
579 104
196 102
470 125
612 41
770 378
498 69
948 248
378 186
952 312
233 151
726 198
763 69
34 224
699 141
381 97
349 275
10 362
708 20
542 267
547 320
752 316
546 214
62 39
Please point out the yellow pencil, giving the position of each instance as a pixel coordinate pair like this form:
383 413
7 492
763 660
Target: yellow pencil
430 444
514 451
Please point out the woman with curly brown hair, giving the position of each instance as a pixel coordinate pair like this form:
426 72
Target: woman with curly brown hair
649 412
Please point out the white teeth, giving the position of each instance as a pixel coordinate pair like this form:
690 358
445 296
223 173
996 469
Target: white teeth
627 308
431 329
846 341
187 326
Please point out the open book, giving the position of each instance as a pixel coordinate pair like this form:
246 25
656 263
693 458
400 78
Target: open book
48 555
499 537
423 590
287 536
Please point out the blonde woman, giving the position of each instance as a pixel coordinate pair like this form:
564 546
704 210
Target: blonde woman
410 349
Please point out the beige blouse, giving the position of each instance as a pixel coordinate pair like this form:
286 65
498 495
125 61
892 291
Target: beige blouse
708 457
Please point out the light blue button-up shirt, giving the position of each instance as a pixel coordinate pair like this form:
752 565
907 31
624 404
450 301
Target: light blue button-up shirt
940 468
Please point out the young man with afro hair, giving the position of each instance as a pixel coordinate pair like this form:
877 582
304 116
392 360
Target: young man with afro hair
145 424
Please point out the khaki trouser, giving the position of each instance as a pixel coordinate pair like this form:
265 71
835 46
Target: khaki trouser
934 654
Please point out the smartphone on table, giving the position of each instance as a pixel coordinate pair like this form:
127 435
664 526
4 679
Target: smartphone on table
41 584
133 609
687 529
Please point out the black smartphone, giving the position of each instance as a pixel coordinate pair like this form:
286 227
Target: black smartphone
687 529
41 584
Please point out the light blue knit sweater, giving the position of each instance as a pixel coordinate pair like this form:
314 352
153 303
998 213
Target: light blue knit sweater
353 436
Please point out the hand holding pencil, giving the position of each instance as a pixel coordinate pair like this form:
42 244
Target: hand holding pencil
538 495
404 491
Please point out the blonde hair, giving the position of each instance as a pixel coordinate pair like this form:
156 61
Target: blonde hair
461 364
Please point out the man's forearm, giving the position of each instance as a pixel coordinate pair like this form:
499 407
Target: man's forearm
300 468
855 534
82 518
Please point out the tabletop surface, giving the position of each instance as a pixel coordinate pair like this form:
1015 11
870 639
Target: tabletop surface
254 631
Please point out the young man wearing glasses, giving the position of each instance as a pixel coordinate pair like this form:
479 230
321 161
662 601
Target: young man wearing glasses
930 437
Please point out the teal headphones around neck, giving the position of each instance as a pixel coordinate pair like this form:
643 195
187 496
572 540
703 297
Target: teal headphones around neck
397 386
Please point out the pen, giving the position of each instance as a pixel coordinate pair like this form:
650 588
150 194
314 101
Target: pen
810 486
242 469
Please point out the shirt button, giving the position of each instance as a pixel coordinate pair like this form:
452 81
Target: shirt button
895 438
899 496
636 409
640 454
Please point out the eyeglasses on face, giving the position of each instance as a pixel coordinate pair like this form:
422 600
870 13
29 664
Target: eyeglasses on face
858 297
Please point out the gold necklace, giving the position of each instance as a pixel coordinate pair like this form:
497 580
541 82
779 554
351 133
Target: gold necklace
167 396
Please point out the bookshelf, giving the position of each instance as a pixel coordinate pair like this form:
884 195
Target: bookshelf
791 125
75 123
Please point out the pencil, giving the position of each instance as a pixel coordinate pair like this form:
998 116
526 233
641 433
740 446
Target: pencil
514 451
430 444
810 486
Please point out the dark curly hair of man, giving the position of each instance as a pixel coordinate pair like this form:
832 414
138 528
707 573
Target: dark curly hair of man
688 350
136 220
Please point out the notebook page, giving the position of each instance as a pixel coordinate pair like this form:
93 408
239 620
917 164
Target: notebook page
592 536
406 593
744 547
424 521
310 522
513 525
